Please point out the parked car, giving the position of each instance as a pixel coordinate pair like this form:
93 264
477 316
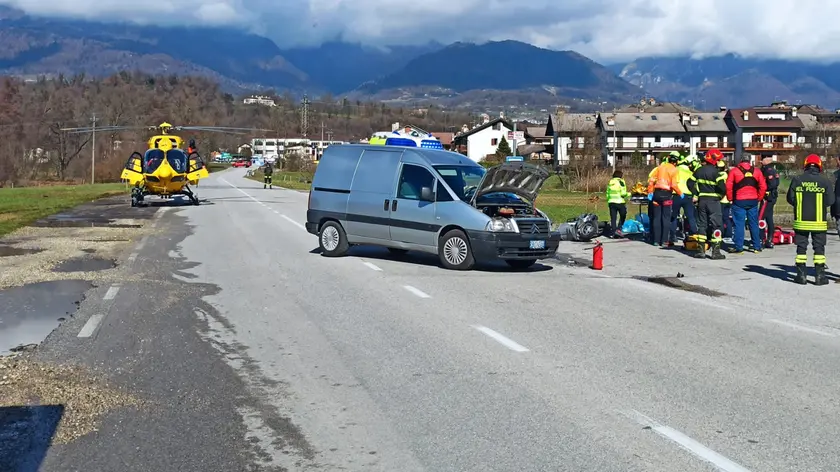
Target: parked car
242 163
439 202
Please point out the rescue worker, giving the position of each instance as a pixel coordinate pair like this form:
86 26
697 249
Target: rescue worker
745 187
684 203
617 196
770 198
725 206
708 185
810 194
662 160
268 170
191 149
661 188
835 209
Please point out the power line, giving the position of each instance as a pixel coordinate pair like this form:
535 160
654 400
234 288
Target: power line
93 151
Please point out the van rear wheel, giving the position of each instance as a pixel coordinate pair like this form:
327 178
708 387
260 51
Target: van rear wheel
333 240
455 252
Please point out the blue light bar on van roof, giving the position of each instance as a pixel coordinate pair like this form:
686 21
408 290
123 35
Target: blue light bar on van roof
400 142
431 144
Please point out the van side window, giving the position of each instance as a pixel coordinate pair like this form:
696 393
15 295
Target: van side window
412 180
441 194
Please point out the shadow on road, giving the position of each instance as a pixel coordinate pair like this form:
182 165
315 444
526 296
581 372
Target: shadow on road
785 272
421 258
27 432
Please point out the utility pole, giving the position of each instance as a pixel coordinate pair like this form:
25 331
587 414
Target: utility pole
322 131
304 115
514 137
93 151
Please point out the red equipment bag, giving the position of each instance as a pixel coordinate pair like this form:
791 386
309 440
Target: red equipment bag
780 236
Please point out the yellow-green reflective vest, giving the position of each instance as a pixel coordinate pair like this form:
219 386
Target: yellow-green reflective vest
617 191
724 200
685 174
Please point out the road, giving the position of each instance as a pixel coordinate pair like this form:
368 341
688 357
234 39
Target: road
257 353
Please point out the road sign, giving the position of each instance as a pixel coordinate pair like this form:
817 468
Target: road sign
520 136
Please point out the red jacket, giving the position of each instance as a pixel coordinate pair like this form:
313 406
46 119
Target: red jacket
746 192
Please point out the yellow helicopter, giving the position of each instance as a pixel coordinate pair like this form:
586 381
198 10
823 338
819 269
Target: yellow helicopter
167 168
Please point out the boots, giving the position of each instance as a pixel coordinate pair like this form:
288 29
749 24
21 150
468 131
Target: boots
820 278
716 254
699 254
801 274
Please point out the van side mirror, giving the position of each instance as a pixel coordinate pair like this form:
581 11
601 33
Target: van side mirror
427 195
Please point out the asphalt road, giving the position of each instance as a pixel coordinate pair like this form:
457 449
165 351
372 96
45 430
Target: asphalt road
260 354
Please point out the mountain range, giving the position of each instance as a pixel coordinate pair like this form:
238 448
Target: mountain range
476 76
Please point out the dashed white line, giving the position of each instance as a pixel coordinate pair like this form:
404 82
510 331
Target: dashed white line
293 222
417 291
89 327
501 339
372 266
112 292
804 328
700 451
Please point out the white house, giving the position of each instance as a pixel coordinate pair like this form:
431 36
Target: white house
624 135
259 100
483 140
709 130
278 146
573 134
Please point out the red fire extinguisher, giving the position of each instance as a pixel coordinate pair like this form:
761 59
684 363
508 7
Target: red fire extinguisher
598 256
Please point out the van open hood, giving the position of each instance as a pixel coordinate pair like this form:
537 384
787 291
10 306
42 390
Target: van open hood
519 178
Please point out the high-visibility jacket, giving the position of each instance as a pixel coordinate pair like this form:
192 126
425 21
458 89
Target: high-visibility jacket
685 174
810 194
707 182
665 177
617 191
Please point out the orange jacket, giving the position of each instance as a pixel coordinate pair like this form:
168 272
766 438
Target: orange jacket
665 177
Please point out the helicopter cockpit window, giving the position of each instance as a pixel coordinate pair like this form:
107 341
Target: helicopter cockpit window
152 160
177 160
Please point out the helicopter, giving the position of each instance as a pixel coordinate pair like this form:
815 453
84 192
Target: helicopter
166 168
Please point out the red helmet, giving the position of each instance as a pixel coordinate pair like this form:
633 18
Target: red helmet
714 156
814 160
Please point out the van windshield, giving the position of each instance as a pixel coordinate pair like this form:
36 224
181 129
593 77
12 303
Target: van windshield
462 179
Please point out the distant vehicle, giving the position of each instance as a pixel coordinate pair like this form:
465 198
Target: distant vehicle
241 163
439 202
401 138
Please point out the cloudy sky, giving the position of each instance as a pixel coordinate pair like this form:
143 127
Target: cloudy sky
605 30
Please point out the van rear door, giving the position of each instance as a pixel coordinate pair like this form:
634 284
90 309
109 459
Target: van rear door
369 205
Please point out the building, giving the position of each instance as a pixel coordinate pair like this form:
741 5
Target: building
637 138
820 129
259 100
543 143
572 135
445 138
773 131
270 147
483 140
709 130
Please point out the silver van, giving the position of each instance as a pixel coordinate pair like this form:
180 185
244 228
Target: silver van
434 201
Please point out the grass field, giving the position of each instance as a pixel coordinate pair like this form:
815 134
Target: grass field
290 180
22 206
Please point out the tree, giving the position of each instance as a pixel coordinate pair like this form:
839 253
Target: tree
503 151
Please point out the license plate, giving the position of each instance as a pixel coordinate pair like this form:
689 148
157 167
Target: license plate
537 244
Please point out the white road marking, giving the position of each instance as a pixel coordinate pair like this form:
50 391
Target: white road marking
804 328
112 292
293 222
700 451
132 257
142 243
90 326
372 266
417 291
503 340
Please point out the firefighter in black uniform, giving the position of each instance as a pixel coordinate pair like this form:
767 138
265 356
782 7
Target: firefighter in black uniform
771 176
810 194
267 172
708 186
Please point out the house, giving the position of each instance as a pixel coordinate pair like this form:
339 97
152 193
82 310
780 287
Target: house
820 129
259 100
483 140
571 134
637 138
769 131
445 138
542 144
709 130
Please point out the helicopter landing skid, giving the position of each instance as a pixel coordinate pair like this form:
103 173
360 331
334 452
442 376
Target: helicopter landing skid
191 195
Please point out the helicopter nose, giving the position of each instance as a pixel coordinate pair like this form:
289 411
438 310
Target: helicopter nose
165 173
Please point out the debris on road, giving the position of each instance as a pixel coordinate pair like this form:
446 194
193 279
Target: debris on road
85 398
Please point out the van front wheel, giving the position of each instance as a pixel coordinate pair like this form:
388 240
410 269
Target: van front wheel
455 252
333 240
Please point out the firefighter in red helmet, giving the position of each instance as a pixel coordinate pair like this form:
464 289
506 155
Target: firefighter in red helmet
708 185
810 194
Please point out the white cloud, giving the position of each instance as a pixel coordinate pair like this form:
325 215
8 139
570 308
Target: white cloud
605 30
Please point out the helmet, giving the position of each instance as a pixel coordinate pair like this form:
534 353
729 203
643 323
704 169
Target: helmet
721 164
674 157
813 160
714 156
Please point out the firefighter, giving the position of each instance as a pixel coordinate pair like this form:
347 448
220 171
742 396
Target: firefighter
661 189
835 209
684 203
770 198
268 170
617 196
810 194
191 149
708 185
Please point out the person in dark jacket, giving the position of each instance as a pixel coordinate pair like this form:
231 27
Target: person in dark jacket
771 176
268 171
708 186
745 188
810 194
835 209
